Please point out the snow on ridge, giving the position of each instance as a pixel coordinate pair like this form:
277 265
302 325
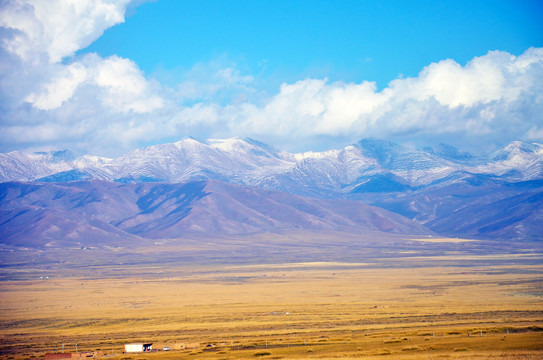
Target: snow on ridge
316 155
247 161
228 144
89 160
187 141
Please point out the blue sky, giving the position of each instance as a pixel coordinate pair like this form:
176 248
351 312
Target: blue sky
352 41
107 76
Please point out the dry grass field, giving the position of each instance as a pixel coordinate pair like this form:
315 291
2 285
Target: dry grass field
283 311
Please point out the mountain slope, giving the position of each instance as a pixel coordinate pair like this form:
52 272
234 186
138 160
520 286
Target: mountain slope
452 192
474 206
97 212
330 173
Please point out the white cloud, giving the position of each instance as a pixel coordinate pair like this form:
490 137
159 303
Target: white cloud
108 105
493 77
315 107
118 83
535 134
483 97
57 28
60 88
48 31
126 89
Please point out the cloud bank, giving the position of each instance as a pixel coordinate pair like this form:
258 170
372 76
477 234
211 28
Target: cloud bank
51 98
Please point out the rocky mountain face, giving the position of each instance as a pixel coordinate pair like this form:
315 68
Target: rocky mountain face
91 213
248 162
443 189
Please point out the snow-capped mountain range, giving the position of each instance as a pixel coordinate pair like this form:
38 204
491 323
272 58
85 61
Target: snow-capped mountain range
439 190
248 162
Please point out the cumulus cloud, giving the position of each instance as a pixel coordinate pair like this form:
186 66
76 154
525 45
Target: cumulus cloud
44 85
497 95
125 87
494 77
57 28
316 107
118 83
62 86
53 99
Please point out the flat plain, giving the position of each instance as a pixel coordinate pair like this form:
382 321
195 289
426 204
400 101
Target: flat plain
453 306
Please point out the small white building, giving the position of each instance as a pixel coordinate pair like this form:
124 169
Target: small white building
139 347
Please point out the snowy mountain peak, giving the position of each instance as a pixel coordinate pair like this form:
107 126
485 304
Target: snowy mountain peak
517 149
316 155
249 162
240 147
230 144
188 142
518 146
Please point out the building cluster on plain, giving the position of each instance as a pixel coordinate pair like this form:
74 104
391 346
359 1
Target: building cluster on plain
147 347
138 347
128 348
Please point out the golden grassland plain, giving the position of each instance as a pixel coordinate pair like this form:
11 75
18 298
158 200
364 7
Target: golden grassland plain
284 311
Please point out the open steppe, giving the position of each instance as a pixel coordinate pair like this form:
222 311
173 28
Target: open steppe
405 306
